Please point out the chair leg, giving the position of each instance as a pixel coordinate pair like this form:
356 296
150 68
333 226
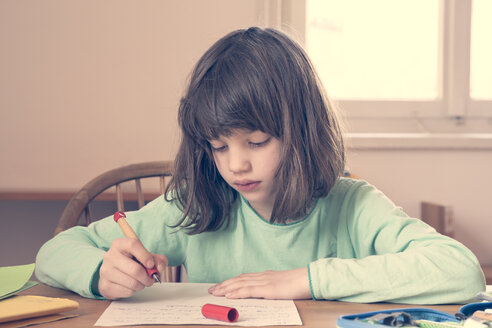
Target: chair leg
177 274
169 274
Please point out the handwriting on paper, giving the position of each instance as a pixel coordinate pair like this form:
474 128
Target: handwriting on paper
180 303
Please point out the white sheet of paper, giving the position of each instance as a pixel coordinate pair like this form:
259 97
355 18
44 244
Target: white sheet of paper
181 303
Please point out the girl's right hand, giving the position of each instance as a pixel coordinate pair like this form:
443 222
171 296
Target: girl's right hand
121 275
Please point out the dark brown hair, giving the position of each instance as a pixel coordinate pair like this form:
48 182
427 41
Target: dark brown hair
255 79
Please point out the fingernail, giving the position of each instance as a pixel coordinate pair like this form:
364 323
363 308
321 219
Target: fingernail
150 264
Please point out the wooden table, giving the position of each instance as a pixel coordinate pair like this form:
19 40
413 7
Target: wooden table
313 313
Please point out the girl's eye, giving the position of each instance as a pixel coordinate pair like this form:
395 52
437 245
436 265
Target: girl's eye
218 149
260 144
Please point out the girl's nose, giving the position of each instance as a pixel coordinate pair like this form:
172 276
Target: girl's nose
239 162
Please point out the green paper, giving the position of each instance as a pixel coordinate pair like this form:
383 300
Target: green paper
28 285
15 279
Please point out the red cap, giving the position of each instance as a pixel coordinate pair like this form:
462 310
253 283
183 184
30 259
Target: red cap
219 312
118 215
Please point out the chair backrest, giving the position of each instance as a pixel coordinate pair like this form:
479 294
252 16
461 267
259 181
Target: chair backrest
81 200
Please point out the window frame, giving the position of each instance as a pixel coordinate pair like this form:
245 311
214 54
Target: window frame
454 118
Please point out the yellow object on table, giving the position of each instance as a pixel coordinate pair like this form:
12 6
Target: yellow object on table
21 307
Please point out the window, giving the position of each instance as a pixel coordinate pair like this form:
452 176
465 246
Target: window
399 66
481 51
359 57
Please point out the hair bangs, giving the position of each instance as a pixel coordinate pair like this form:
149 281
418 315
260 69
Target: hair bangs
230 97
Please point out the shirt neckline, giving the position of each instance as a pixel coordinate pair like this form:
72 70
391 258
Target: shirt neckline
275 224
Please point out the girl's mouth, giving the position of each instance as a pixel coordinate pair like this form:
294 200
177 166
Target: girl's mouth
246 185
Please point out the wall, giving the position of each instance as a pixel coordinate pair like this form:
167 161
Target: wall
460 179
25 225
86 86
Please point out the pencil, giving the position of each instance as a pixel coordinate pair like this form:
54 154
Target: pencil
120 218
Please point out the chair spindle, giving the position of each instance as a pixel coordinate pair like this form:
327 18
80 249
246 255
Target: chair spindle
140 196
119 198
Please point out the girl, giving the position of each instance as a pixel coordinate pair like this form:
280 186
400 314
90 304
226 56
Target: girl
257 204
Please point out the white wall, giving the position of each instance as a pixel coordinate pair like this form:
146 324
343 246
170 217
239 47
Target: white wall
461 179
86 86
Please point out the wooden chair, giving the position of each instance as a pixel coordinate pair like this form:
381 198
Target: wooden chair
81 200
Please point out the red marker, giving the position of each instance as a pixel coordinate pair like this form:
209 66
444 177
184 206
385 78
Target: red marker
120 218
219 312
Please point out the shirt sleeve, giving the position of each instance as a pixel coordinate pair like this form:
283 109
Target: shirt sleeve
71 258
384 255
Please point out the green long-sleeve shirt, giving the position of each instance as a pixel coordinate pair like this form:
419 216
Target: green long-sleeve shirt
357 245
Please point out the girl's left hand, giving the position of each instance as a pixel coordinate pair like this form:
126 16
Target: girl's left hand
289 284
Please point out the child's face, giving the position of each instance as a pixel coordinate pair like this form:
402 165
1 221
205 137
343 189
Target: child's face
247 161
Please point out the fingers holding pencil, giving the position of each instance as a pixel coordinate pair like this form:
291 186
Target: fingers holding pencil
134 258
128 267
120 275
120 218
